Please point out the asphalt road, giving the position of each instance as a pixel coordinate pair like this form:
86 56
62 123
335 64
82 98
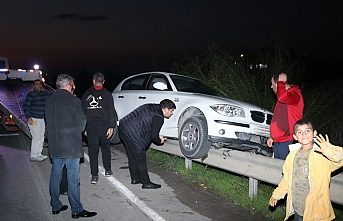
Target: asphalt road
24 191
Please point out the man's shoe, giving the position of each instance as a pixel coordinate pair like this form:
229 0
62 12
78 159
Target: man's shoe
108 173
151 185
64 207
83 214
135 182
37 159
94 179
43 156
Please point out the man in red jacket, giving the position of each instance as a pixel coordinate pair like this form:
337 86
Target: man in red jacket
288 110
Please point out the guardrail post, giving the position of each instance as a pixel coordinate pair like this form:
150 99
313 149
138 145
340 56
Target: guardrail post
188 163
253 183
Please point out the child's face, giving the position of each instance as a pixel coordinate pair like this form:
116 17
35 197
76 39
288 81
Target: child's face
304 134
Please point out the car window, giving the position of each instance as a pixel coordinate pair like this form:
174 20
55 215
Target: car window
185 84
2 65
158 79
135 83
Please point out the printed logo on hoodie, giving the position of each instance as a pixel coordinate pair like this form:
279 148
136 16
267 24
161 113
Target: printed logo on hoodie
94 102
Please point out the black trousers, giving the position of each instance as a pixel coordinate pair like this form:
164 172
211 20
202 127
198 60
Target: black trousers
96 135
137 160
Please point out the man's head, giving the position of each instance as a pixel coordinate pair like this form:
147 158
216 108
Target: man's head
304 132
65 81
168 108
37 85
98 79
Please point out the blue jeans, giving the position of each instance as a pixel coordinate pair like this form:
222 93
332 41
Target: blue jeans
281 149
73 176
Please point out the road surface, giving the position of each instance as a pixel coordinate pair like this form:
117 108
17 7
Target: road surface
24 191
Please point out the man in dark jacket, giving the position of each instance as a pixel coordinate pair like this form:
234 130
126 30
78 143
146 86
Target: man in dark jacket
97 103
65 122
138 130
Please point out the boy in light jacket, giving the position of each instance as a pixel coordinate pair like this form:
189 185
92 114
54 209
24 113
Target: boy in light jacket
307 173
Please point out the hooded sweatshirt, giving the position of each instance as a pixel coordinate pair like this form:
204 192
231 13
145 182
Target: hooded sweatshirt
98 105
288 110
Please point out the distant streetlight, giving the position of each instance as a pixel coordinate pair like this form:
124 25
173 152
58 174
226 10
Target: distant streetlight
36 67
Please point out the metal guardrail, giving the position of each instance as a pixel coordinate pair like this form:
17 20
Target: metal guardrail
256 167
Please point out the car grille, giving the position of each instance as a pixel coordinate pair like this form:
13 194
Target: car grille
261 117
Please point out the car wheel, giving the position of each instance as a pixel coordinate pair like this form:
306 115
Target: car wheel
193 138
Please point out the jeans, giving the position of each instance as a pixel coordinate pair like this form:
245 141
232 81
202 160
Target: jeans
73 176
281 149
37 133
64 181
297 217
96 135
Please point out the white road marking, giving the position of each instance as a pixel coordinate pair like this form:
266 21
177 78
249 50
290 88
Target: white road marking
130 195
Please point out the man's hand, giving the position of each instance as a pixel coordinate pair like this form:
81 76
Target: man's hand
270 142
322 143
283 77
109 133
163 139
30 121
272 202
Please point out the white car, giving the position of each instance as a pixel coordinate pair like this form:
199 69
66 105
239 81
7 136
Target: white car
200 119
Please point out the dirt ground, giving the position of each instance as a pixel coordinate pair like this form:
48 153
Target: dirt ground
206 202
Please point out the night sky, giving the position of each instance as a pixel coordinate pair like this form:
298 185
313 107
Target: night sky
124 36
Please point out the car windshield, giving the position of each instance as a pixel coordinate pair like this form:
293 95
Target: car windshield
185 84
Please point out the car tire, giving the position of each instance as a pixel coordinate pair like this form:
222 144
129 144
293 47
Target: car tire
193 138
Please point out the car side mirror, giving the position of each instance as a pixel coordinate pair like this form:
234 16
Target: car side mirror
160 86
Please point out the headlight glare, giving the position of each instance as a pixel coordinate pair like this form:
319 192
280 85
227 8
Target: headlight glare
228 110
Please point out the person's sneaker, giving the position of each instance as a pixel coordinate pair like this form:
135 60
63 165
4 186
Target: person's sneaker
94 179
43 156
37 159
108 173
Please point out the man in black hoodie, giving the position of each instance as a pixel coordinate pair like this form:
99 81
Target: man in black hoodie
97 103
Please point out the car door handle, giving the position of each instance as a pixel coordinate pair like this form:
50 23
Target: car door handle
121 96
141 97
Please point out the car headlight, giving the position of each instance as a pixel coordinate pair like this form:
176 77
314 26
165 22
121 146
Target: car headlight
228 110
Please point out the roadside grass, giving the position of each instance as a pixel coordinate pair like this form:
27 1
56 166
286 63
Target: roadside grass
233 186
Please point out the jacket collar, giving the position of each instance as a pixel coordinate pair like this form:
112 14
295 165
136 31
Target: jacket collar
297 146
